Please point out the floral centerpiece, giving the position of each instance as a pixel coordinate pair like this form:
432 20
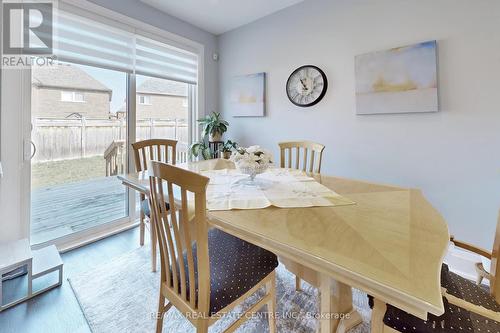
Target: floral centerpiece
252 160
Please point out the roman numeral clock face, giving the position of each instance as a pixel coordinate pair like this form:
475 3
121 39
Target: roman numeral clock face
306 86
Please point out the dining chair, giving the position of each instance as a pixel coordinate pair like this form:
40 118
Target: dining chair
468 307
301 155
305 156
144 151
481 271
205 272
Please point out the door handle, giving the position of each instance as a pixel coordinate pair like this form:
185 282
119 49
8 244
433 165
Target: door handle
29 150
34 150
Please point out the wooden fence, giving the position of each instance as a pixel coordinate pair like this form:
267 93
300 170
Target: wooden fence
61 139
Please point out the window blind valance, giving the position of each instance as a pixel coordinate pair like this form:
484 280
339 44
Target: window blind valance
82 40
159 59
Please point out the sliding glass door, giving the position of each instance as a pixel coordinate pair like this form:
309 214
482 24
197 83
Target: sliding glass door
79 137
112 85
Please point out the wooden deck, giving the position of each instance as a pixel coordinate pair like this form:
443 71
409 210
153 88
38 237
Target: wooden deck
63 209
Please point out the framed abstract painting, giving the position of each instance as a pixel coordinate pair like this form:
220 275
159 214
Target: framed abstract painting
398 80
247 95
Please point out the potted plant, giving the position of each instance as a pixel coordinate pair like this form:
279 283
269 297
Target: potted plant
227 148
214 126
200 148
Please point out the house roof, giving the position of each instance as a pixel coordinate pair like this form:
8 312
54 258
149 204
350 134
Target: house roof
66 76
162 87
122 108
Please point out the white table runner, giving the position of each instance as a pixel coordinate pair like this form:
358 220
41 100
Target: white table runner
228 189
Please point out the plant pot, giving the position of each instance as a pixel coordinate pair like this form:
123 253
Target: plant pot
225 154
215 137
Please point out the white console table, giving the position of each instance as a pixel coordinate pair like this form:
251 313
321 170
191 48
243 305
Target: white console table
18 254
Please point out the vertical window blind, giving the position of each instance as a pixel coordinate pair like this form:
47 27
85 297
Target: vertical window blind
83 40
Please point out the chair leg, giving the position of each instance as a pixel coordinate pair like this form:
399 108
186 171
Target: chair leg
141 224
378 313
202 325
271 306
481 273
141 230
162 309
152 234
297 283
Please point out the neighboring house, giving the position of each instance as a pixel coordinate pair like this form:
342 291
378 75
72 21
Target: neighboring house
162 99
64 90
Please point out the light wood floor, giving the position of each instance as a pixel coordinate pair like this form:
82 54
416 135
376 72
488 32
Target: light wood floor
58 310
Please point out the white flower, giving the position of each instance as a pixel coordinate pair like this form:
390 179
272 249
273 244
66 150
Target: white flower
253 149
253 157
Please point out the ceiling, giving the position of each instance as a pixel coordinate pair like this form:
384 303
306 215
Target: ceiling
219 16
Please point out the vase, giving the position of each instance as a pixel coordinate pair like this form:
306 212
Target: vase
215 137
252 171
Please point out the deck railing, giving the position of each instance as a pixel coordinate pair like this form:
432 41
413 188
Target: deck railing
114 158
182 153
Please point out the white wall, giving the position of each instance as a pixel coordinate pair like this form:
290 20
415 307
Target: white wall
453 155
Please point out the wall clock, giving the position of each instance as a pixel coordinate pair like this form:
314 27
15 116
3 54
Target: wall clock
306 86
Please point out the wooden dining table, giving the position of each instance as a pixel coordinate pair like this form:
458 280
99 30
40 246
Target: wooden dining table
389 244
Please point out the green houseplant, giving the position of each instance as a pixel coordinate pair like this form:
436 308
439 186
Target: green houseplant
227 148
214 126
201 149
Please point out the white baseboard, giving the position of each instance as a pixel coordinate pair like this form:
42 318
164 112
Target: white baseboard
462 263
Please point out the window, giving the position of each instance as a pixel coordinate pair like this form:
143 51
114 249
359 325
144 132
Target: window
72 96
78 97
144 99
66 96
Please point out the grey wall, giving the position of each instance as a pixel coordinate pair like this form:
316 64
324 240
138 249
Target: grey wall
453 155
142 12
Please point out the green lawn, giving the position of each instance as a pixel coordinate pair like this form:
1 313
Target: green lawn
46 174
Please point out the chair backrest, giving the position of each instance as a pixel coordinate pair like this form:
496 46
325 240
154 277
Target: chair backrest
495 265
162 150
309 149
177 228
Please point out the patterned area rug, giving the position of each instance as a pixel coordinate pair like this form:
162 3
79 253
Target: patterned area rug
122 296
